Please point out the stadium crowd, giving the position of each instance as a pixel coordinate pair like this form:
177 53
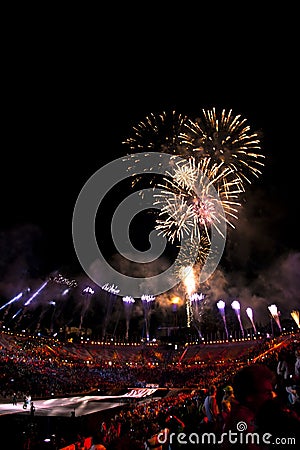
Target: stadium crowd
197 376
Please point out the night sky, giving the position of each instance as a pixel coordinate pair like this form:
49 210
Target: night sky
65 115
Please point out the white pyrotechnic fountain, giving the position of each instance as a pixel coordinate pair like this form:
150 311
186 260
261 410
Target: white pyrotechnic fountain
295 316
87 292
111 292
147 301
196 301
275 314
249 312
128 302
235 305
221 307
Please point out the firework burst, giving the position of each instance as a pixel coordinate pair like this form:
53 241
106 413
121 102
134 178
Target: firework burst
188 259
227 140
159 132
190 203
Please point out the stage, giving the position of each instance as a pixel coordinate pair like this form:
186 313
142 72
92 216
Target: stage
77 405
64 407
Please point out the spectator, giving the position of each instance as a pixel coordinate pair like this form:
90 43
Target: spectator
253 386
211 408
293 391
297 363
283 369
14 399
227 400
32 409
98 442
279 421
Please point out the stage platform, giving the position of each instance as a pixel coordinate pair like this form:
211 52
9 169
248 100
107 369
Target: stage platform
64 407
78 405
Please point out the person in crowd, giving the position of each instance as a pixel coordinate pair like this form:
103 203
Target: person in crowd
14 399
25 402
226 402
297 363
284 367
253 385
211 408
158 438
293 391
98 442
32 408
279 421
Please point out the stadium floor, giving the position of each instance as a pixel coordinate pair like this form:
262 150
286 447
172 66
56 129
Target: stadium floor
63 407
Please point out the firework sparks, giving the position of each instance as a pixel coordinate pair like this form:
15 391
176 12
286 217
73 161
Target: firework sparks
60 279
158 132
36 293
196 302
128 302
14 299
249 313
187 259
296 317
112 292
221 307
110 288
190 204
237 309
275 314
228 140
176 218
189 282
87 292
147 300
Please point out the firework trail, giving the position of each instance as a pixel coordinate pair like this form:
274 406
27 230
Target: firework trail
221 307
128 302
204 249
23 308
249 313
36 293
10 303
189 282
295 316
14 299
146 302
274 313
237 309
17 313
226 139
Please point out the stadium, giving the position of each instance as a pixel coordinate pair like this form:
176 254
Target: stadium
122 392
85 365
